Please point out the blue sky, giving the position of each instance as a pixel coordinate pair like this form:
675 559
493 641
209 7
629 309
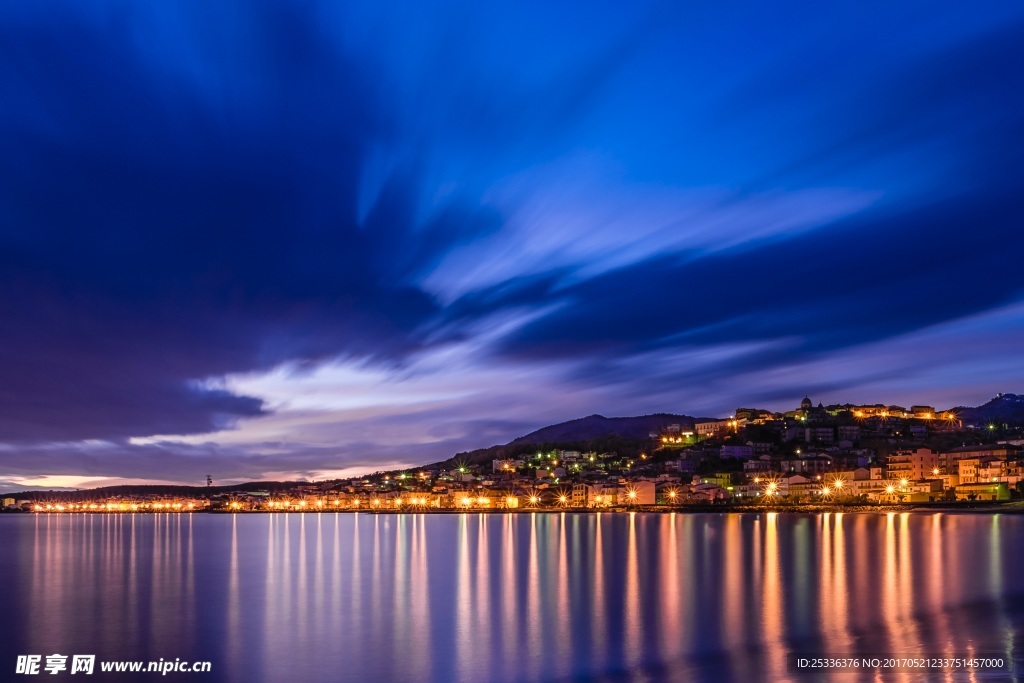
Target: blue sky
309 239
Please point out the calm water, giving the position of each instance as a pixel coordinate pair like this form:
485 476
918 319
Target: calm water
529 597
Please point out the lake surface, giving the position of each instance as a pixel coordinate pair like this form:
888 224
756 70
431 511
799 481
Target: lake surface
508 598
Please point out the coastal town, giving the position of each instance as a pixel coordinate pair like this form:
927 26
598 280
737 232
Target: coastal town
809 456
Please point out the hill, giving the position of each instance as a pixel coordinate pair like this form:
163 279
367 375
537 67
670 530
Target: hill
624 435
1007 408
599 426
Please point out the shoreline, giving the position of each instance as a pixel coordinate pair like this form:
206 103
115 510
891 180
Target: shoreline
974 507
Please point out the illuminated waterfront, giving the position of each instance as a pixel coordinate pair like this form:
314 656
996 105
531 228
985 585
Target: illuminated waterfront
528 597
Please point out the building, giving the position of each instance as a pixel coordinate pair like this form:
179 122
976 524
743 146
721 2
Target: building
806 464
580 497
753 415
848 432
970 469
686 466
762 464
707 493
922 412
993 470
744 452
822 434
983 491
706 430
913 465
640 492
873 489
721 479
999 450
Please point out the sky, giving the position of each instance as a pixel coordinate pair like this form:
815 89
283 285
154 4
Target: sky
315 239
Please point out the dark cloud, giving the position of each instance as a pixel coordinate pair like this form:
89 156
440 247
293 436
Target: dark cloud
166 220
909 263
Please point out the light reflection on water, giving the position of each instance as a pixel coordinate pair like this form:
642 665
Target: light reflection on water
526 597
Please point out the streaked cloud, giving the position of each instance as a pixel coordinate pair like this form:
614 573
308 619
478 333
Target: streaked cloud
264 239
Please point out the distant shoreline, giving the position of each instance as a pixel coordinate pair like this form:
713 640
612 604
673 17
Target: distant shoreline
974 507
